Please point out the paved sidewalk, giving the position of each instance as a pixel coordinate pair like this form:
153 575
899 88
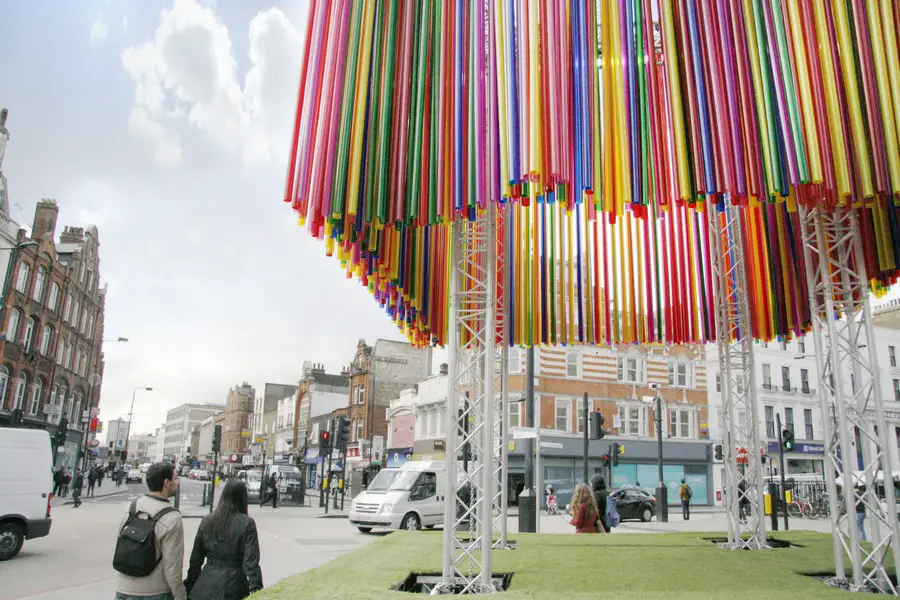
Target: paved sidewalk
107 489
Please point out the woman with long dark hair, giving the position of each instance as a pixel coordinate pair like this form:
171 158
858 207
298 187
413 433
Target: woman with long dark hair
227 541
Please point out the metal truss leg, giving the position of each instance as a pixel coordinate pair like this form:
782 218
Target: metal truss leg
853 411
468 522
743 461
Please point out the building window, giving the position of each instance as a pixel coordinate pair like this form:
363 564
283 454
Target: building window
82 364
28 336
808 423
361 393
572 363
789 419
633 420
784 346
562 415
629 369
12 326
515 413
39 281
892 356
76 412
90 327
359 429
804 380
67 308
83 325
515 359
579 417
60 351
53 299
78 360
786 378
897 390
4 383
76 308
681 423
801 345
68 363
21 384
22 279
678 374
767 376
46 339
770 422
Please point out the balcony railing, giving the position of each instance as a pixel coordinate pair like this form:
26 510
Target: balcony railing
769 387
786 387
808 390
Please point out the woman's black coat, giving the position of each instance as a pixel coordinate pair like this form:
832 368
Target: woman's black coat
232 568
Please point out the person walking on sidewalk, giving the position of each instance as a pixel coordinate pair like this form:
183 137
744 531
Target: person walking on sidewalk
58 482
92 481
861 513
77 485
101 473
685 493
600 493
584 508
271 491
149 554
228 543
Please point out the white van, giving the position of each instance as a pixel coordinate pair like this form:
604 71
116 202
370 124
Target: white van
26 484
410 497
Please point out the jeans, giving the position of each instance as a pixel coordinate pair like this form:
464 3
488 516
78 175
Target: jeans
861 525
686 510
76 496
166 596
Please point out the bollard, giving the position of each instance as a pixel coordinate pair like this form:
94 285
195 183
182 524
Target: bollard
178 498
203 496
527 511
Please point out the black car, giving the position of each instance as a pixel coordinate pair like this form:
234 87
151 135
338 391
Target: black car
634 503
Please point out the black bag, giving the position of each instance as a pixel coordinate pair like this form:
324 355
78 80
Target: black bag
135 553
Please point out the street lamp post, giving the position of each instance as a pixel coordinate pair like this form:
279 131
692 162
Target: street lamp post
131 415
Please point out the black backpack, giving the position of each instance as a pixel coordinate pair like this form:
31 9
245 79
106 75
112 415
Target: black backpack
135 553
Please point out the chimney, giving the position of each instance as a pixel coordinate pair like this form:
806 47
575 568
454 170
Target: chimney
444 369
72 235
45 214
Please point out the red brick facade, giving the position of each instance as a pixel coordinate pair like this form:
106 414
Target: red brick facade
52 325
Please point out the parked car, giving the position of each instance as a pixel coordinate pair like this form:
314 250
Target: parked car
26 486
634 503
134 476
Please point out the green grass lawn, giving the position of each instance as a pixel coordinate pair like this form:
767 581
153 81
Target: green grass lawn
682 565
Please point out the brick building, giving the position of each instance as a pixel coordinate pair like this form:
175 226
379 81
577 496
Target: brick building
377 376
52 324
237 419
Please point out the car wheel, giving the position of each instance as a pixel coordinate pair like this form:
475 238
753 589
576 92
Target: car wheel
411 522
646 515
365 529
11 539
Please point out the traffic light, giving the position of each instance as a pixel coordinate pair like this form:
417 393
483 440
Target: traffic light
597 432
719 452
343 434
614 454
59 438
605 459
324 442
217 439
787 440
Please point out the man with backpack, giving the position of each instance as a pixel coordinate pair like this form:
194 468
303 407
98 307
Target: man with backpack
149 552
685 493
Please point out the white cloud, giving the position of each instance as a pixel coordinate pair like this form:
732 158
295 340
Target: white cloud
187 77
166 144
99 30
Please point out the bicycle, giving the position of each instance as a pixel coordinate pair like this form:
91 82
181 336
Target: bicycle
802 507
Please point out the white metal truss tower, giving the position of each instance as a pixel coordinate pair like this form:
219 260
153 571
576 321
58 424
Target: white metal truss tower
853 411
743 461
501 367
471 408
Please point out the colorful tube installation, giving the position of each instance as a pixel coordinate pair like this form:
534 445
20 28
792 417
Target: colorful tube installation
604 131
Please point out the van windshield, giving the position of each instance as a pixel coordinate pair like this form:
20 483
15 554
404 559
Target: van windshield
391 480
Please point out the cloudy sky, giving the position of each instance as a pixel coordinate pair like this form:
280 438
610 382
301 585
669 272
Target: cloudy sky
167 125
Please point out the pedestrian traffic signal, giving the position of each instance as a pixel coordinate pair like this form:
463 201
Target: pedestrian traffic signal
324 442
719 451
597 432
343 434
217 439
787 440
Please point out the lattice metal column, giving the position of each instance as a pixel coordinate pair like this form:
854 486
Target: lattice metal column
743 482
845 344
501 404
467 513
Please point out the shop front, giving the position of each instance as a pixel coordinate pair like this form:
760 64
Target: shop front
562 466
806 459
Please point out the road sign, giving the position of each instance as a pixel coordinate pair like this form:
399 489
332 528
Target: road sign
51 409
94 443
523 433
557 445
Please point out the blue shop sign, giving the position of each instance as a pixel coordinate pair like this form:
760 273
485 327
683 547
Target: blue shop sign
398 456
799 448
